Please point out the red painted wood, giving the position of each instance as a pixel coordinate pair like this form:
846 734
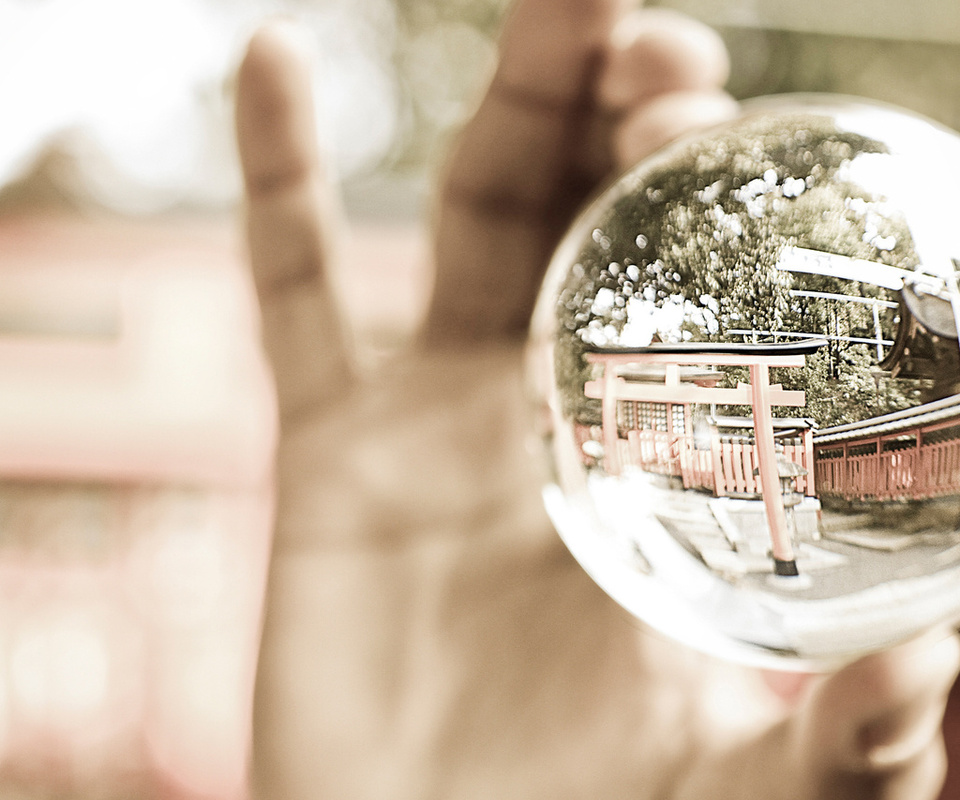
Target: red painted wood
716 466
736 464
932 470
767 456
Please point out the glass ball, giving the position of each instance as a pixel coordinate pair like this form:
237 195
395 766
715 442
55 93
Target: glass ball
746 368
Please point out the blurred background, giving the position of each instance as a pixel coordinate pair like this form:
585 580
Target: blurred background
135 413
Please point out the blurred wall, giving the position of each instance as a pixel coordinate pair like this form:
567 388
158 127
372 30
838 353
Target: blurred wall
902 53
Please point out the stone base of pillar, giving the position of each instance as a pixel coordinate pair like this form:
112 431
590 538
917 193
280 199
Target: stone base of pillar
785 568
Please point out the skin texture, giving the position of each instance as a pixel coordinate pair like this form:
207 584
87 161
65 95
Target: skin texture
426 634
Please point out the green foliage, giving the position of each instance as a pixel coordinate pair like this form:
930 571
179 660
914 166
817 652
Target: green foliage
690 251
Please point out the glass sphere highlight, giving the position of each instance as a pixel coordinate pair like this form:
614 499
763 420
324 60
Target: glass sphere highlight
746 372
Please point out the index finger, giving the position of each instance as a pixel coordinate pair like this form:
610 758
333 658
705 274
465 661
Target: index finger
292 216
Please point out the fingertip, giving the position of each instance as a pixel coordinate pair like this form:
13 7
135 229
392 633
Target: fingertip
275 66
660 121
653 51
276 127
277 41
550 47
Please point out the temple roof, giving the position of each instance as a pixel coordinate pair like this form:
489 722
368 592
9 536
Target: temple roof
909 418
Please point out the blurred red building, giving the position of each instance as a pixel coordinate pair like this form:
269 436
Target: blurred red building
135 441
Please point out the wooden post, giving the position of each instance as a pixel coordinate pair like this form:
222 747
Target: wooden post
810 488
846 472
716 461
880 477
784 561
611 436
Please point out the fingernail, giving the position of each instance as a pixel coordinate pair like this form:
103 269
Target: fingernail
786 685
294 34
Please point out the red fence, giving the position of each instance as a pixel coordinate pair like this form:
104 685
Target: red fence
919 472
727 467
669 454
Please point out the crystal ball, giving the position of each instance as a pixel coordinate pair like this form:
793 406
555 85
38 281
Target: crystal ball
746 378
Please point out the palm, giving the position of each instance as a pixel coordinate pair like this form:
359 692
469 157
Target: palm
426 634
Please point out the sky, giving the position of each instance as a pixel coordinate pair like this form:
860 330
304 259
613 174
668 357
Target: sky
137 94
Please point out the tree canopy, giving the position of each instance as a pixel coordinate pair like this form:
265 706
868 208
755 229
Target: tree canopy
688 248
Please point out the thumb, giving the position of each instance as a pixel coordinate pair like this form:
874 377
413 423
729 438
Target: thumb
868 732
874 728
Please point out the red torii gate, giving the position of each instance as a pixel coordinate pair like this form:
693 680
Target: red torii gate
759 394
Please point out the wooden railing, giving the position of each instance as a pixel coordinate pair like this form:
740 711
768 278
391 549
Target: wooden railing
941 462
669 454
727 467
931 470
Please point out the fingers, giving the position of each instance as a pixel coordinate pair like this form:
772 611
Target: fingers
510 186
291 220
662 119
869 732
879 720
663 78
573 97
658 51
551 49
526 126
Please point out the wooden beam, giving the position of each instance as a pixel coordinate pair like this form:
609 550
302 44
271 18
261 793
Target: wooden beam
690 393
698 359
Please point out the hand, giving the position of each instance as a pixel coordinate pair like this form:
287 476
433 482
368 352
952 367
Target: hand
426 634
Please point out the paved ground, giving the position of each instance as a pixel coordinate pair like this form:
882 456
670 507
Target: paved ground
852 554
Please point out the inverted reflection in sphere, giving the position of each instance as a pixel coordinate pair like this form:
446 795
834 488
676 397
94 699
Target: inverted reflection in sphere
746 362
